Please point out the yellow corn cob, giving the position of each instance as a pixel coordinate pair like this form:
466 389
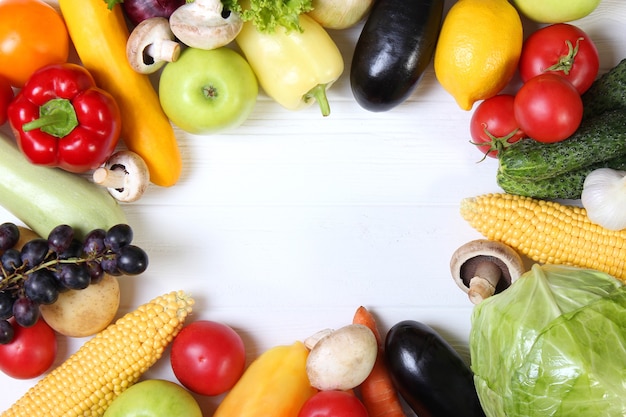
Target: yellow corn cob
89 380
548 232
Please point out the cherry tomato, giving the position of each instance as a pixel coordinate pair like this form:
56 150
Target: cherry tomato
207 357
548 108
493 126
31 352
333 404
32 35
562 49
6 95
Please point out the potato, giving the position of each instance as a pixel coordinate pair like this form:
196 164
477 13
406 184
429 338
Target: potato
25 235
81 313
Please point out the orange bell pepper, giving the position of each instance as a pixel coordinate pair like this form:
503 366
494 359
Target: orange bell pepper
274 385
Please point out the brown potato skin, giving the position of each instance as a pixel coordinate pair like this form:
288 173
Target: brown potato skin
82 313
25 235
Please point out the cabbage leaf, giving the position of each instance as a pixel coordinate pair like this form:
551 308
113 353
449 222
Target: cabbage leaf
552 344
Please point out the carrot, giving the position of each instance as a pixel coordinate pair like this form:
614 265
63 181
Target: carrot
377 391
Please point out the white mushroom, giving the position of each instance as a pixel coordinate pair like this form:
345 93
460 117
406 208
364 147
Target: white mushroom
341 359
483 267
151 44
125 175
204 24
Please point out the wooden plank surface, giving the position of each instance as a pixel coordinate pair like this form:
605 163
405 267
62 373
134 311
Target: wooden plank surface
287 224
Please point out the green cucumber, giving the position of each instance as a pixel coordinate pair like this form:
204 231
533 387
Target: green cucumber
597 139
44 197
564 186
607 92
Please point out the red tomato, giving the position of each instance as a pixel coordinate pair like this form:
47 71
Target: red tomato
6 95
561 49
31 352
32 35
208 357
333 404
548 108
493 126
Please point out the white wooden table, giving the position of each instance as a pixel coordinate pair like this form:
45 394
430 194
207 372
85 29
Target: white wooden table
287 224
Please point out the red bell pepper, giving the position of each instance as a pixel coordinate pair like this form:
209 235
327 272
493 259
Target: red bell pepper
60 118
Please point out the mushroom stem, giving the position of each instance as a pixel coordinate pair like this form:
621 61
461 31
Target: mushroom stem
110 178
312 340
163 50
125 175
482 268
484 282
151 44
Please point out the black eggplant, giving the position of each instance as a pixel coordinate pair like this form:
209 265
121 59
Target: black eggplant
429 374
394 49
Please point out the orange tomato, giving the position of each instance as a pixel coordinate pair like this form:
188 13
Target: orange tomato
6 96
32 35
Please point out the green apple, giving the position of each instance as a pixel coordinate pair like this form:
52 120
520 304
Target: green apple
208 91
154 398
555 11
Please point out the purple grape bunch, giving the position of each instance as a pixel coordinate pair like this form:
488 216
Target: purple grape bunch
42 268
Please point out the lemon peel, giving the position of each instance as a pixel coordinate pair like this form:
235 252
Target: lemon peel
478 49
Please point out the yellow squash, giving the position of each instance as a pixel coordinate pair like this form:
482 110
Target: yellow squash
274 385
99 36
294 68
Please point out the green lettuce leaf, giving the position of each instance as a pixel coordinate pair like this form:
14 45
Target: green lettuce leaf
552 344
268 15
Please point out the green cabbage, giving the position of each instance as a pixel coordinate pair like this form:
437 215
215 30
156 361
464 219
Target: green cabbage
552 344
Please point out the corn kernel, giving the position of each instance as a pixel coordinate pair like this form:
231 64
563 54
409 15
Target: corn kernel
547 231
97 373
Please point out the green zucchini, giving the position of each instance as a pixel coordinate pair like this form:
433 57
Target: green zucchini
597 139
44 197
607 92
564 186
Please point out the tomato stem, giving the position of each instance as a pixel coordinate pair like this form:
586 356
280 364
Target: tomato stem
566 62
495 143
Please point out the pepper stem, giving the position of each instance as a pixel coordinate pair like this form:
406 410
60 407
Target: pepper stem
57 117
319 94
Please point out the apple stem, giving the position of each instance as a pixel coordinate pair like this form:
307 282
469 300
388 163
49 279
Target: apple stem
318 93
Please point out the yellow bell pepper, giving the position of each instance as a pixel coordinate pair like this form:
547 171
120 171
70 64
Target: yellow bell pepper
293 67
274 385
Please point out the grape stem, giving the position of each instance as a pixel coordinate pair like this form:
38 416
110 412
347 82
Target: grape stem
12 281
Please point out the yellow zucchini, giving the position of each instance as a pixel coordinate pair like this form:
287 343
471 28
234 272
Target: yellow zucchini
99 36
44 197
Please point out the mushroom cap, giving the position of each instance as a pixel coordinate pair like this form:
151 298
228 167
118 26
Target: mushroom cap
467 258
201 24
342 359
125 175
151 44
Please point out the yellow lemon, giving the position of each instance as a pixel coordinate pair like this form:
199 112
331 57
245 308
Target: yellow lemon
478 49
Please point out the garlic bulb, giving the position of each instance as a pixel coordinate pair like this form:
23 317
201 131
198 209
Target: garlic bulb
604 198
